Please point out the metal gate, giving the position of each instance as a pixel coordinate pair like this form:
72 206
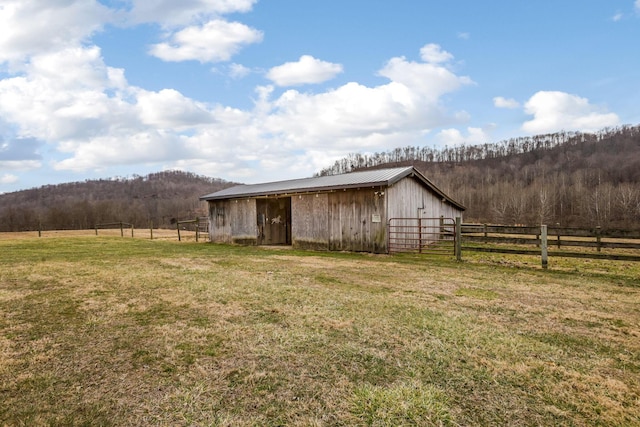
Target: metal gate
422 235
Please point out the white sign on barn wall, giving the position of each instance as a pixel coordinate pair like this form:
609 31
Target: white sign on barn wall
375 218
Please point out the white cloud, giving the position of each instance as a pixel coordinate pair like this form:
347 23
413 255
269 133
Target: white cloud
617 17
637 5
20 153
238 71
306 70
553 111
464 36
454 137
62 95
430 80
500 102
361 117
433 53
169 109
180 13
8 178
37 26
108 150
20 165
73 101
215 41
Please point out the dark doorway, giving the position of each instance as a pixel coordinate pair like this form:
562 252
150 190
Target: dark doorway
274 221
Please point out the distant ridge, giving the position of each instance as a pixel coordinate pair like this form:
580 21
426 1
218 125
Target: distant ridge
161 197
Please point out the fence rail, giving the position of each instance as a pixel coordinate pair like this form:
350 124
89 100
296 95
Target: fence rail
200 225
120 225
547 238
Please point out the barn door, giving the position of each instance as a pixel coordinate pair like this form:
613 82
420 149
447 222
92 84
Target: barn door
274 221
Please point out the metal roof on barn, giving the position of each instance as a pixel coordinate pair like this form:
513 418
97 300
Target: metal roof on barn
369 178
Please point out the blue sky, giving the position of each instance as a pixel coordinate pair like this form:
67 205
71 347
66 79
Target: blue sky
258 90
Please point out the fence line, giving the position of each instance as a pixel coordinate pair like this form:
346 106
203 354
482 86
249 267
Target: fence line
201 225
540 236
120 224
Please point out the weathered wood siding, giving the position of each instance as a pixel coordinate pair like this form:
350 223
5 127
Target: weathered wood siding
220 221
233 221
351 221
310 221
408 198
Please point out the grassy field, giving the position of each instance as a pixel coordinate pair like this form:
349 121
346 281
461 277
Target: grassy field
112 331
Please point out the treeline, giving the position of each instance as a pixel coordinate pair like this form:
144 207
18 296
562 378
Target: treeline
572 179
567 178
160 198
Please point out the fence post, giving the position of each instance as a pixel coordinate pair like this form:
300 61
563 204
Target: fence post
151 229
132 231
96 226
599 238
458 239
178 227
39 229
197 228
485 232
543 246
420 234
121 230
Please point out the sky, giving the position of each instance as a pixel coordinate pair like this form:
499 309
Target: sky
266 90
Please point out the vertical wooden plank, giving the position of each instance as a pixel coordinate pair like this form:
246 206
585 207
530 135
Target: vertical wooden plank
458 239
543 246
310 226
351 220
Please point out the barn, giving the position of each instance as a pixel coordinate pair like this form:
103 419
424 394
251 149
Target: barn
348 212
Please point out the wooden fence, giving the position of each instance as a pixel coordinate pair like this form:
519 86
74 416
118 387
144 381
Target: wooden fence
550 241
111 225
199 225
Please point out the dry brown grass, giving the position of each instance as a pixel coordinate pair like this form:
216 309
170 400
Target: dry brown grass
138 233
112 331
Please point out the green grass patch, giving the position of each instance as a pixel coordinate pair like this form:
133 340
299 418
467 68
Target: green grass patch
400 404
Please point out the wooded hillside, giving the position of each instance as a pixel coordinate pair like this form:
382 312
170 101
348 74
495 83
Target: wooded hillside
567 178
162 197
